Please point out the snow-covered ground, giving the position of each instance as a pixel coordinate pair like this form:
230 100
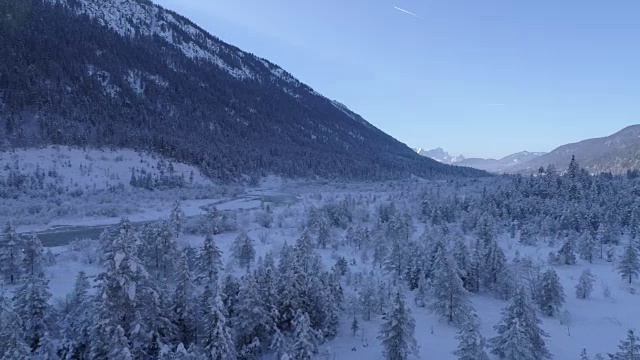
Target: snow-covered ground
597 323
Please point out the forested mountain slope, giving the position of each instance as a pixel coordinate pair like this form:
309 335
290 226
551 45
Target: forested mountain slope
126 73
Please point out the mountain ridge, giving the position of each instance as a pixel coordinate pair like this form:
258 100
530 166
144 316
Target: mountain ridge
129 73
615 153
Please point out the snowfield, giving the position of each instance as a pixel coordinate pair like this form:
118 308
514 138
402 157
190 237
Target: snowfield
275 214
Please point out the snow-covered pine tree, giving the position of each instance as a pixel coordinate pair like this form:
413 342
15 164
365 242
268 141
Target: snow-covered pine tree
355 326
585 284
629 265
164 251
12 337
549 293
305 338
422 292
448 297
252 320
118 344
177 219
629 348
33 256
471 343
475 267
31 304
10 255
566 254
184 306
494 263
77 325
397 332
463 261
208 262
519 334
367 298
243 250
587 247
119 292
218 341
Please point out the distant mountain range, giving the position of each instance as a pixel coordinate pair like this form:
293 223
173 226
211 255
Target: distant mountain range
491 165
616 153
129 73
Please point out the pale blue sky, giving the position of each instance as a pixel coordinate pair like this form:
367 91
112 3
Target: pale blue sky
482 78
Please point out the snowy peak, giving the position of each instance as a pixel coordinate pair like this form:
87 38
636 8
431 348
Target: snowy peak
440 155
491 165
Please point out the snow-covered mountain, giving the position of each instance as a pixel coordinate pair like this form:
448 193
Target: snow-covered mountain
440 155
491 165
616 153
129 73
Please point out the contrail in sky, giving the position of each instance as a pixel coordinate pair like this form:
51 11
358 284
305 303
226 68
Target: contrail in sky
408 12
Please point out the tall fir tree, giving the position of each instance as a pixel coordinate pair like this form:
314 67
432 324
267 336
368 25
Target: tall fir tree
629 265
33 256
629 348
471 343
305 338
78 320
208 264
549 293
218 342
243 250
448 297
184 305
585 284
519 334
252 322
397 332
31 302
10 255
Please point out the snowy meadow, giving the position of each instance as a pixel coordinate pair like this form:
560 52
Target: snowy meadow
511 268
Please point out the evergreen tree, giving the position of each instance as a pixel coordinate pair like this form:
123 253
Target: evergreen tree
519 334
449 299
10 255
355 326
33 258
120 293
588 246
475 268
252 321
305 338
177 219
422 292
397 332
566 254
574 168
629 266
31 302
243 250
494 264
471 344
218 342
78 321
629 348
549 293
118 344
184 306
208 262
12 337
585 284
160 251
